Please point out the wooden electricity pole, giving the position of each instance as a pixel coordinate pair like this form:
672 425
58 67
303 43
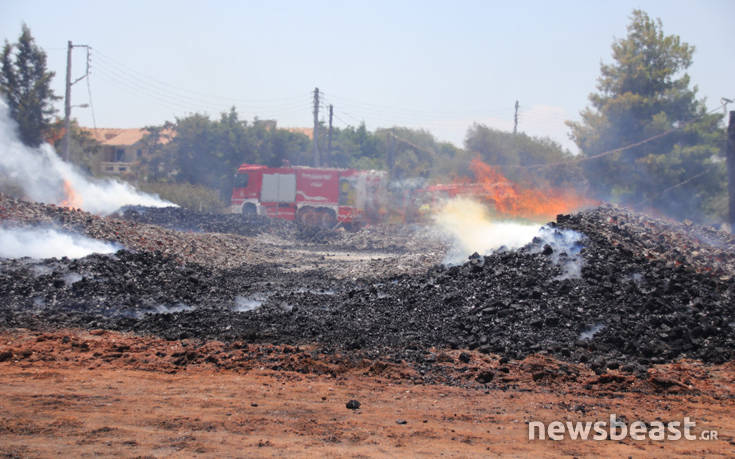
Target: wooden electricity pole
731 169
315 133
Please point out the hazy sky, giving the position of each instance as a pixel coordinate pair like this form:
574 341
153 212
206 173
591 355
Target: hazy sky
436 65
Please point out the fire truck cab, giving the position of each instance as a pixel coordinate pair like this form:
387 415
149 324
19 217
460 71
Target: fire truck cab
310 196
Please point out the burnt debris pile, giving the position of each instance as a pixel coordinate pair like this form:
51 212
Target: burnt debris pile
606 287
125 290
181 219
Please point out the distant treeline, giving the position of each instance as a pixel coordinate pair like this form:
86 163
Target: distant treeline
208 151
647 141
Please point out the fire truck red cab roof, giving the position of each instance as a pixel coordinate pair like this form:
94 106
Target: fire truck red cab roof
259 167
250 167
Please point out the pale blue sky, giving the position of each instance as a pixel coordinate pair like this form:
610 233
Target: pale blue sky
431 64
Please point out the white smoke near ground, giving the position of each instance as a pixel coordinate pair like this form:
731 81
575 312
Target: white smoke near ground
49 243
170 309
42 174
249 303
470 229
565 247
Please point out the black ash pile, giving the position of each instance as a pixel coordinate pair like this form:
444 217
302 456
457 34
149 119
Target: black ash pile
180 219
126 290
386 238
604 286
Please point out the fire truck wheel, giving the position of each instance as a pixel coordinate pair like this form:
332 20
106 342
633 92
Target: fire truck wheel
249 210
307 216
328 218
353 226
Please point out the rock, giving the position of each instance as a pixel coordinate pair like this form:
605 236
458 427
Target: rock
353 405
485 377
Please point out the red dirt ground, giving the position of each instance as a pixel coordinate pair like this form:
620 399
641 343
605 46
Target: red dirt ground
73 393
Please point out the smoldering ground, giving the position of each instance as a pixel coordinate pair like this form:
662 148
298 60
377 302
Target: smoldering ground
645 301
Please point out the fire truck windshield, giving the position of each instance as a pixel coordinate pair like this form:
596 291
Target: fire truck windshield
241 180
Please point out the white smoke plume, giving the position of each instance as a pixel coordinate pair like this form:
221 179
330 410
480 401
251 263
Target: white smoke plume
48 243
470 228
42 174
566 246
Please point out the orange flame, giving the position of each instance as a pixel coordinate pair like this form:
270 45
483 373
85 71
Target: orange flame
72 199
511 199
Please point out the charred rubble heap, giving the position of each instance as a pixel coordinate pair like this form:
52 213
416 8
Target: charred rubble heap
179 218
625 291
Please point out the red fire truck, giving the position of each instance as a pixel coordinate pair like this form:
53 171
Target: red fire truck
311 196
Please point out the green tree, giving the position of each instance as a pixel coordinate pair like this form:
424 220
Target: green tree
501 148
403 152
646 92
207 152
26 86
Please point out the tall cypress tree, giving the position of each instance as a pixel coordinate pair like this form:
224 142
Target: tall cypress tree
25 84
645 92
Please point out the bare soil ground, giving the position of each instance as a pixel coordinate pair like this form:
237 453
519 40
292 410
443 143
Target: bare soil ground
74 393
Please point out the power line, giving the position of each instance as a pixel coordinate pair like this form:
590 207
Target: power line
173 100
91 105
183 98
415 111
666 190
188 93
609 152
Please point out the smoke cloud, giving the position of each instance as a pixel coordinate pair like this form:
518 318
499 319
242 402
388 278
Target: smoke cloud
468 225
471 229
566 249
44 177
48 243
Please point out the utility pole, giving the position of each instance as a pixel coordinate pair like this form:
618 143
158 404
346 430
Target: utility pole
724 101
329 138
515 120
67 101
391 159
315 133
731 169
67 94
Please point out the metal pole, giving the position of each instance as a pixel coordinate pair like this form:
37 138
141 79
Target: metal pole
315 133
329 138
731 169
67 102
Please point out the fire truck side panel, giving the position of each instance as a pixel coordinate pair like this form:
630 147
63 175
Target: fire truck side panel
317 187
278 188
278 193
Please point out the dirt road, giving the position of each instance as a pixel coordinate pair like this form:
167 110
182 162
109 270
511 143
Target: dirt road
75 393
